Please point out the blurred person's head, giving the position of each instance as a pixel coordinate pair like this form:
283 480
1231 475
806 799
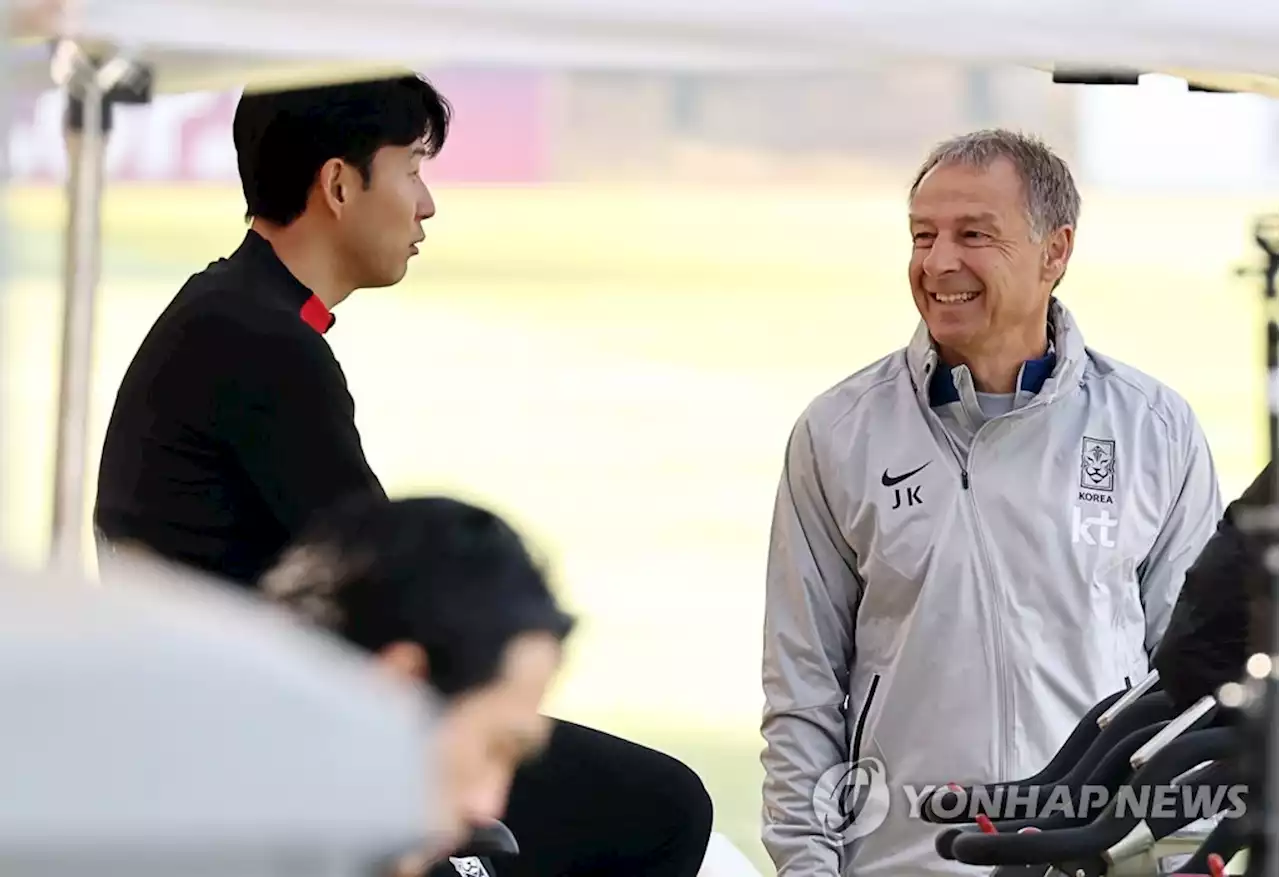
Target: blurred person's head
992 217
444 594
332 176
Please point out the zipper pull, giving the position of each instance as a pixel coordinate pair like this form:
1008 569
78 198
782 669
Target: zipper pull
964 478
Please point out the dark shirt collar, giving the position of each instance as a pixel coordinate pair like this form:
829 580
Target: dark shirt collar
258 252
942 387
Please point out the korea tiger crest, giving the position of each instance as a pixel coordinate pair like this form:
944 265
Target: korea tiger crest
1098 464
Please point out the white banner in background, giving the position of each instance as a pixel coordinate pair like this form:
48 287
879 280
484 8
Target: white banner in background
182 137
1160 137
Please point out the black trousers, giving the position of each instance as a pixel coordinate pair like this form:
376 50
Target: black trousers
595 804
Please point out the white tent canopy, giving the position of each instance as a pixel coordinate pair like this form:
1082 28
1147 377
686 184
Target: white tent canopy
198 44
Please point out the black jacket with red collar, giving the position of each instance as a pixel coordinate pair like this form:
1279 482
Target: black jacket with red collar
1226 609
233 424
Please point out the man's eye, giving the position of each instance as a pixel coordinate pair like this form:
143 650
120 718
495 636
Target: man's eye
976 236
921 238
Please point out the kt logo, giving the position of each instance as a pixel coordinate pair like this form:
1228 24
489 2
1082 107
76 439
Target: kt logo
1084 529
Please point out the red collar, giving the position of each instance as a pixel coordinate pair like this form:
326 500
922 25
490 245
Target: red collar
316 315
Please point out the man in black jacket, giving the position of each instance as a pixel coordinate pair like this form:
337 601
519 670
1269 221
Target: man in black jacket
233 426
1226 610
1225 613
446 595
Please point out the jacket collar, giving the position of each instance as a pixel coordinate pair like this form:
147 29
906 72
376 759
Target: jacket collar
258 251
1046 378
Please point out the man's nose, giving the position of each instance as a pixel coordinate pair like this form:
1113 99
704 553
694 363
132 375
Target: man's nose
426 205
943 257
487 802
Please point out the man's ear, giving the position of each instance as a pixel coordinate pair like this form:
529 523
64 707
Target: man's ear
1057 253
334 185
406 660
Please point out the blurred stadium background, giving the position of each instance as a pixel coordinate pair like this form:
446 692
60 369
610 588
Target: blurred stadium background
633 286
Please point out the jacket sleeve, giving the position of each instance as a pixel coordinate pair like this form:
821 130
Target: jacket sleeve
812 591
1192 519
1207 641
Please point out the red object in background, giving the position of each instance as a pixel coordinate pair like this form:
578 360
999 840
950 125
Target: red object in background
1217 868
193 131
499 132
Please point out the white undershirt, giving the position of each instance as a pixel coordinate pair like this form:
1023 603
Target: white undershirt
995 404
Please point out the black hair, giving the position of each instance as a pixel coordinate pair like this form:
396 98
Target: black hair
450 577
283 138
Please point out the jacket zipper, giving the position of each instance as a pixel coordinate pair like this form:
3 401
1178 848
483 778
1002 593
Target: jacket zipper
1002 694
858 729
997 624
1002 688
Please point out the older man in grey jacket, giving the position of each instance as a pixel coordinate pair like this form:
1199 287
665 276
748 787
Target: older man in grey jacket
975 539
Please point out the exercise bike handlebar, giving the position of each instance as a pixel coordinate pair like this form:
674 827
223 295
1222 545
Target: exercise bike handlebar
1189 717
1110 827
1084 751
1115 767
1154 828
1110 773
1127 698
1067 756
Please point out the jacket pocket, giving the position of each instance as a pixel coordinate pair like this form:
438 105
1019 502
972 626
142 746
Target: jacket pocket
859 728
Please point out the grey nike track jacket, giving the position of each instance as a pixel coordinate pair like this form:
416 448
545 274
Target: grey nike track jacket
948 614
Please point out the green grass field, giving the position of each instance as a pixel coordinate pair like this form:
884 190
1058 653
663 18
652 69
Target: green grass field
617 369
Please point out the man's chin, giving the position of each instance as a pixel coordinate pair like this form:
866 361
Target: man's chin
388 278
952 334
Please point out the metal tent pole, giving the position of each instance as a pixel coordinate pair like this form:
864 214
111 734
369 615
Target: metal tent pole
87 129
93 89
6 9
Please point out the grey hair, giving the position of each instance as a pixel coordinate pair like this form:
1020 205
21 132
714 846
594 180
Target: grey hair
1052 198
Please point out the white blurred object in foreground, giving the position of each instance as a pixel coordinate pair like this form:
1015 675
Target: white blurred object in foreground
723 859
160 726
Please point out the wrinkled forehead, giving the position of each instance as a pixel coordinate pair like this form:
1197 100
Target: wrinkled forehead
956 191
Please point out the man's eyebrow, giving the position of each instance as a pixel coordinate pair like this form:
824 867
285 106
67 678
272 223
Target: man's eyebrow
983 217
